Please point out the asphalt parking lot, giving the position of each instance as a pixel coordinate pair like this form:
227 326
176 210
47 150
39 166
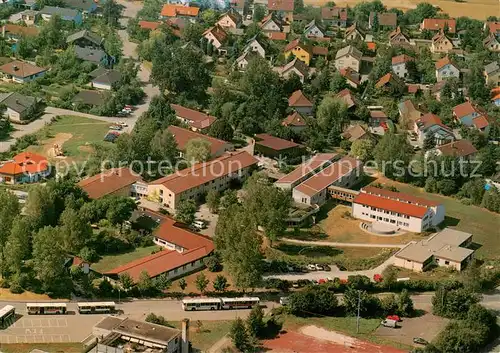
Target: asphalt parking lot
47 329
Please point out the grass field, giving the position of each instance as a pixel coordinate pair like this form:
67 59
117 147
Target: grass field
47 347
110 262
207 335
483 224
74 133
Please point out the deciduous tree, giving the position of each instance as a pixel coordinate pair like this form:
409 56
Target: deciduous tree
186 211
197 150
220 283
202 282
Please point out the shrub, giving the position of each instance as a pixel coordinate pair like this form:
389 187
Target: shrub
313 301
213 263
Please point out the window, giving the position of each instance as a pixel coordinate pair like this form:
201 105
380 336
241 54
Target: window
446 262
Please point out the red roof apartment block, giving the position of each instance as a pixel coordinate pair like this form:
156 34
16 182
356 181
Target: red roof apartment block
274 143
439 24
305 170
116 181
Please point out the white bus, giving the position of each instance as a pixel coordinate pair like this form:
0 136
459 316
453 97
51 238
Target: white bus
240 303
45 308
201 304
7 315
96 307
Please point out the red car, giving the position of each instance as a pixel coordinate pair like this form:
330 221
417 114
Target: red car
377 278
393 317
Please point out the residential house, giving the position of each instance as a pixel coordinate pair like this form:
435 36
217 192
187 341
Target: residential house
352 77
104 78
441 43
255 45
306 170
25 167
495 96
18 106
447 248
84 6
445 68
230 19
465 113
493 27
271 23
388 81
150 25
345 173
437 89
194 182
28 17
189 13
408 114
385 19
299 102
85 38
446 25
244 59
431 125
356 132
282 9
20 71
492 42
271 146
238 6
90 98
334 16
348 98
304 52
113 182
294 67
348 57
94 55
183 136
216 35
378 118
65 14
295 122
276 36
402 211
197 121
353 33
463 149
314 30
398 38
13 33
400 65
492 74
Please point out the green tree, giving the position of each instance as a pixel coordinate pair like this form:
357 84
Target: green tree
192 32
186 211
369 306
164 147
18 246
162 282
454 303
222 130
229 198
213 200
332 114
313 301
126 281
210 17
145 283
405 304
201 282
113 44
119 209
182 284
338 82
220 283
9 210
389 276
161 112
392 155
75 231
197 150
259 13
255 321
239 335
39 207
362 149
491 200
111 12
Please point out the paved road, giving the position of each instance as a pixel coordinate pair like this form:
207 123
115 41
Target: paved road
343 245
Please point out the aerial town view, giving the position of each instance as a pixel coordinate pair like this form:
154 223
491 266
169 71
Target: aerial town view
223 176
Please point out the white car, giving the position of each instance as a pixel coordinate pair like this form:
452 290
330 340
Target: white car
311 267
284 301
249 17
199 224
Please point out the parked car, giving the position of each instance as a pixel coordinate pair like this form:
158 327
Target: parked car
389 323
284 301
319 267
199 224
115 127
393 317
311 267
122 123
327 268
122 113
420 340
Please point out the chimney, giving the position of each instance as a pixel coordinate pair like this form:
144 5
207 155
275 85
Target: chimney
15 67
185 336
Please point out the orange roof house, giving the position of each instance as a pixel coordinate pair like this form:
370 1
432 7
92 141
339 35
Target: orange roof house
25 167
295 122
439 24
172 10
198 121
216 35
300 103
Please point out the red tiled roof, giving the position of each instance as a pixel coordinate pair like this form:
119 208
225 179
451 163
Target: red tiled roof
495 93
494 27
21 30
172 10
109 182
384 80
294 43
294 119
347 97
298 99
437 24
399 196
149 25
276 35
330 13
274 143
280 5
371 46
464 109
320 50
197 119
305 168
385 18
328 176
377 114
480 122
430 119
218 32
21 69
178 234
403 58
459 148
390 205
412 87
350 75
183 136
25 163
202 173
444 61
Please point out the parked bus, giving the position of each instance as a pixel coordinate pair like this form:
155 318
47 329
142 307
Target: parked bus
96 307
240 303
7 315
45 308
219 303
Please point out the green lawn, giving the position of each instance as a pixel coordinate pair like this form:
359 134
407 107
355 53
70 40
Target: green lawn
110 262
208 334
483 224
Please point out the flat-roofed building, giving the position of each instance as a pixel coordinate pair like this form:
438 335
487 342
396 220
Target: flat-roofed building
306 170
345 172
193 182
397 209
448 248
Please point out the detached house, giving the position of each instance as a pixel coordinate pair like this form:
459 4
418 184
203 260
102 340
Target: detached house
492 43
314 30
385 19
304 52
171 11
93 55
85 38
65 14
492 74
300 103
441 43
445 68
465 113
352 77
463 149
244 59
25 167
493 27
439 24
294 67
348 98
353 33
295 122
13 33
334 16
230 19
271 23
388 81
84 6
431 125
103 78
256 46
18 106
398 38
196 120
282 8
216 35
400 65
20 71
348 57
408 114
